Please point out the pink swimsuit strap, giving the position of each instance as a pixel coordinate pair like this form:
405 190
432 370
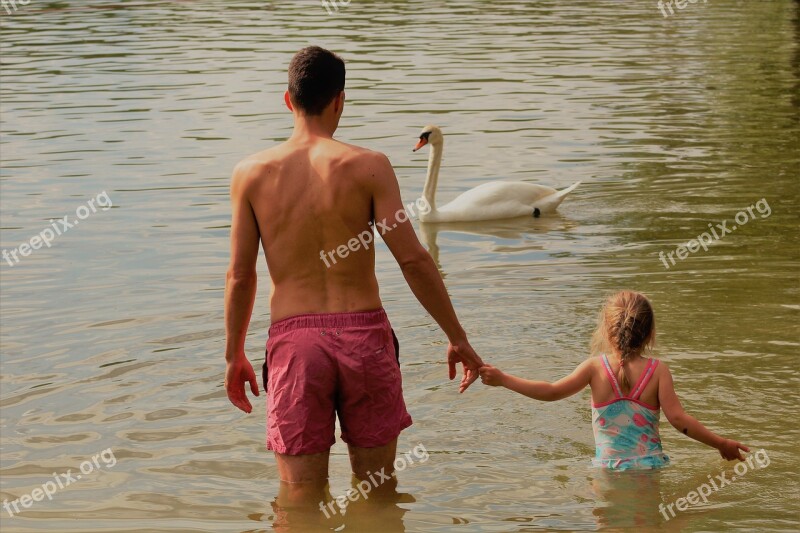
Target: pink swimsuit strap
614 385
645 378
637 390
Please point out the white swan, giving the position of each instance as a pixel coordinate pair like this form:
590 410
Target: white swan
489 201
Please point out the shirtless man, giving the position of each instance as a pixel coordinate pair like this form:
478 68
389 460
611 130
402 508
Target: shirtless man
331 349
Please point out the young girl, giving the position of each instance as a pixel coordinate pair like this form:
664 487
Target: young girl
627 390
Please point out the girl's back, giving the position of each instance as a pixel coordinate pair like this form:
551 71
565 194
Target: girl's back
625 419
603 390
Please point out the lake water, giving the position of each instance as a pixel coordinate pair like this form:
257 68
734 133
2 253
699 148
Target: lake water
113 336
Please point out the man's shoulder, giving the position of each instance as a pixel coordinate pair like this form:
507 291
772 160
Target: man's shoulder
257 165
360 155
370 165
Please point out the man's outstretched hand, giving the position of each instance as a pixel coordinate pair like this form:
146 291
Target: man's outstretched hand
238 372
463 353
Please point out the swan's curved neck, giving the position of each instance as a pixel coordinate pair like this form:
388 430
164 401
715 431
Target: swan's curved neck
434 162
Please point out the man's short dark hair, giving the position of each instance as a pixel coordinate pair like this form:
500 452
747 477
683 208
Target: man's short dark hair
316 77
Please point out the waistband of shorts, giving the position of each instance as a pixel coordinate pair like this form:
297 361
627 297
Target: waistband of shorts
329 320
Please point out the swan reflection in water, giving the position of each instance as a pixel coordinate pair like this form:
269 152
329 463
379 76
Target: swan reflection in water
521 229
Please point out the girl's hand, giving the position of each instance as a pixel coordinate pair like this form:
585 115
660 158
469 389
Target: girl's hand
729 449
491 376
464 353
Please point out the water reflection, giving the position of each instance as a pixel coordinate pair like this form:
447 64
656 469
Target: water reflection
522 230
627 499
311 509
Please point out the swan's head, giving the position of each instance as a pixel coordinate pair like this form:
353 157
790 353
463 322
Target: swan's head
429 135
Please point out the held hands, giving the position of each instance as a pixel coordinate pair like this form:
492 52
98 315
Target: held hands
462 352
237 373
491 376
729 450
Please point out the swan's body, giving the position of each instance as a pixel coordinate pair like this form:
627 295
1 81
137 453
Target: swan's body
499 199
489 201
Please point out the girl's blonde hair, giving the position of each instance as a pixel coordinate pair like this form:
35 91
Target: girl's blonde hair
627 327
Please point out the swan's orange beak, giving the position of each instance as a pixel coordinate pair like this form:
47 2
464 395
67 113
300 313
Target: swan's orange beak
422 142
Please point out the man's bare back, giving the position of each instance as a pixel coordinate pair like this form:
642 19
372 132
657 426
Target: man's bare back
310 196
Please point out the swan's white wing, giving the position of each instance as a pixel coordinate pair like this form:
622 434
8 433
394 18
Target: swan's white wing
549 203
495 200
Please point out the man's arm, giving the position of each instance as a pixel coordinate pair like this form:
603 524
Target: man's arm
419 269
240 291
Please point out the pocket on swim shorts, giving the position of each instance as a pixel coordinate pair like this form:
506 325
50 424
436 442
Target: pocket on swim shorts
264 369
396 346
374 346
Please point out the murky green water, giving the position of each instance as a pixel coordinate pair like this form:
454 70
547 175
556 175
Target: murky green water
113 336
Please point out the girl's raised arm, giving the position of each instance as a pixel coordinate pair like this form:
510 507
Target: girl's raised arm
688 425
540 390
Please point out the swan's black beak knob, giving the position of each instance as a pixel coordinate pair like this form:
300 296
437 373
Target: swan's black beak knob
536 212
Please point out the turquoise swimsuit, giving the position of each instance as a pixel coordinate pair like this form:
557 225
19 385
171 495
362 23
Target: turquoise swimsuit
626 429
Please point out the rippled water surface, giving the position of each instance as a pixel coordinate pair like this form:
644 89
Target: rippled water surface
113 336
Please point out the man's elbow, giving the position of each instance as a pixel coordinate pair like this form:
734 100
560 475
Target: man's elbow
241 277
416 263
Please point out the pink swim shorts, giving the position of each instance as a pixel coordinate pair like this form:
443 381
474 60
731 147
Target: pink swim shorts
321 365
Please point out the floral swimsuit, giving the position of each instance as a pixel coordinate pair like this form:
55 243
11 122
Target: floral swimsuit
626 429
